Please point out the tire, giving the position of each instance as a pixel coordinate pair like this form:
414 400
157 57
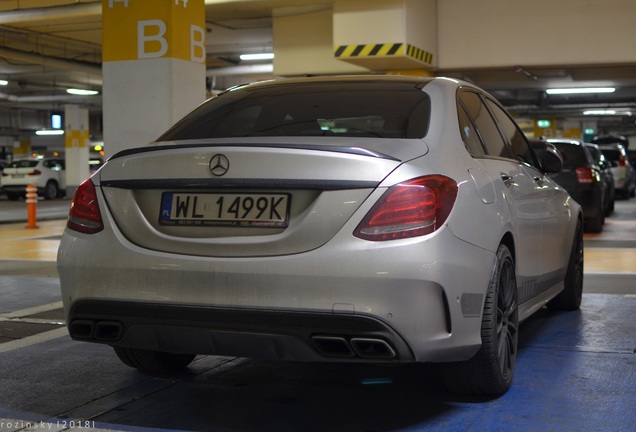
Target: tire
50 190
490 371
153 361
595 225
572 294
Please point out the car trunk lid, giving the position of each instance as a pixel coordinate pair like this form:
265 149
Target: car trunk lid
260 199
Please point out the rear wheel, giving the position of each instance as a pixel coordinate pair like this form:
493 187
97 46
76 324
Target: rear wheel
153 361
570 297
50 190
595 225
490 371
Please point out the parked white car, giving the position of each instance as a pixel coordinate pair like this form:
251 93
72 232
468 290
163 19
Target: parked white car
47 173
341 219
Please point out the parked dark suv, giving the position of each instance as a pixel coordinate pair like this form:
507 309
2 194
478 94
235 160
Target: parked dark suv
606 175
581 177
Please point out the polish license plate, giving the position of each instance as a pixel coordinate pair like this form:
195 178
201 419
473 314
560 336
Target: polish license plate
225 209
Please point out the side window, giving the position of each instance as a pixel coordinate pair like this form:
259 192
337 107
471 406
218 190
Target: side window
469 133
515 137
494 143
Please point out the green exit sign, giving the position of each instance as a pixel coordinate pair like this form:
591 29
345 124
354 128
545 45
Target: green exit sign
544 123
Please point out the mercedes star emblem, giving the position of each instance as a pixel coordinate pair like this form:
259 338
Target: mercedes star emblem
219 164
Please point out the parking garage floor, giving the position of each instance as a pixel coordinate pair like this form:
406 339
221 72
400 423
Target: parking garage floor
575 371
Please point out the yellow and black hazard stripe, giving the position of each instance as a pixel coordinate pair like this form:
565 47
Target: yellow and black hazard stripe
382 50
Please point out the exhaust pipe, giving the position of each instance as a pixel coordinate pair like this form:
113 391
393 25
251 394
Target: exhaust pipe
107 331
332 346
372 348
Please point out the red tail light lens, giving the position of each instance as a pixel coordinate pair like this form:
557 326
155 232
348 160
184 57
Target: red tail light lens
410 209
84 215
584 175
622 161
35 172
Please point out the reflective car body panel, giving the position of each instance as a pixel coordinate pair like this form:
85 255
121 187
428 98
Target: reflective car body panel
288 291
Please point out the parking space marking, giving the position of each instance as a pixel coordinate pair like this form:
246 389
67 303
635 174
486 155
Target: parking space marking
606 260
32 310
33 340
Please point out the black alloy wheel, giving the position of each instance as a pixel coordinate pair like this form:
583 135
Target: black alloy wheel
571 296
490 371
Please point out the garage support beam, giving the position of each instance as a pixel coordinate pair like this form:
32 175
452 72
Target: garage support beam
77 145
153 67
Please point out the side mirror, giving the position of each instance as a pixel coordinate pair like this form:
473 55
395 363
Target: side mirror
550 159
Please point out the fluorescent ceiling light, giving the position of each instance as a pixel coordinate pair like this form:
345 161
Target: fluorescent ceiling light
81 92
261 56
581 90
607 112
50 132
4 82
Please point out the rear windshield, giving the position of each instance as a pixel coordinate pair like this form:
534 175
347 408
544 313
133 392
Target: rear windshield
23 164
573 155
613 155
354 109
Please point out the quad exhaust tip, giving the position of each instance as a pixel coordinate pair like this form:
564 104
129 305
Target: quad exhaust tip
106 331
368 348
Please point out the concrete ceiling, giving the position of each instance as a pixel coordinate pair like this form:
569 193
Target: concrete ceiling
47 46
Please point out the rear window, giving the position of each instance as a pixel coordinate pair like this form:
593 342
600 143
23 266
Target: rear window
23 164
573 155
612 155
351 108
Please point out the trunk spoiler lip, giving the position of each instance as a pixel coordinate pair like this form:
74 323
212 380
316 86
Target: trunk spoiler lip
354 150
196 183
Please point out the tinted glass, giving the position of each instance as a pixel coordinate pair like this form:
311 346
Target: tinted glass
351 108
494 143
469 134
573 155
515 137
23 164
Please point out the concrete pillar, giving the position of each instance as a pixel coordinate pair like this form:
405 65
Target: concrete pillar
386 35
77 145
356 36
153 67
21 148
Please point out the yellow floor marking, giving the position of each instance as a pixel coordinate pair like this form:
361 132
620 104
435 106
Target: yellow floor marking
30 244
610 260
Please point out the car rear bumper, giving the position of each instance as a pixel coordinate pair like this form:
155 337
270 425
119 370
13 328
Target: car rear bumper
410 300
590 200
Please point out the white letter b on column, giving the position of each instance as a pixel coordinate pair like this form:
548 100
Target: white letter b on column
197 43
158 36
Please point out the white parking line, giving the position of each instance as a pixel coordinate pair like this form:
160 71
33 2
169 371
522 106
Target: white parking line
32 310
33 340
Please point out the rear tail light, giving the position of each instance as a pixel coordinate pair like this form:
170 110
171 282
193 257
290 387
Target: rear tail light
84 215
35 173
410 209
622 161
585 175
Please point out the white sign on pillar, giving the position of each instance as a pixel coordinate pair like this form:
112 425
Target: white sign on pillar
153 67
77 147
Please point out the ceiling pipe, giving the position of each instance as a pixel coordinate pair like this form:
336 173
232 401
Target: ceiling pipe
50 98
76 10
73 65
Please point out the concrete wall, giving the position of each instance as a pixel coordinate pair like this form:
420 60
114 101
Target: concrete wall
492 33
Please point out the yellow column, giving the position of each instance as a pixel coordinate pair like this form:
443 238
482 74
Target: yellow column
153 67
21 148
77 144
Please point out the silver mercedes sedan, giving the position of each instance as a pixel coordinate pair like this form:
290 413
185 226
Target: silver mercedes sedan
343 219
